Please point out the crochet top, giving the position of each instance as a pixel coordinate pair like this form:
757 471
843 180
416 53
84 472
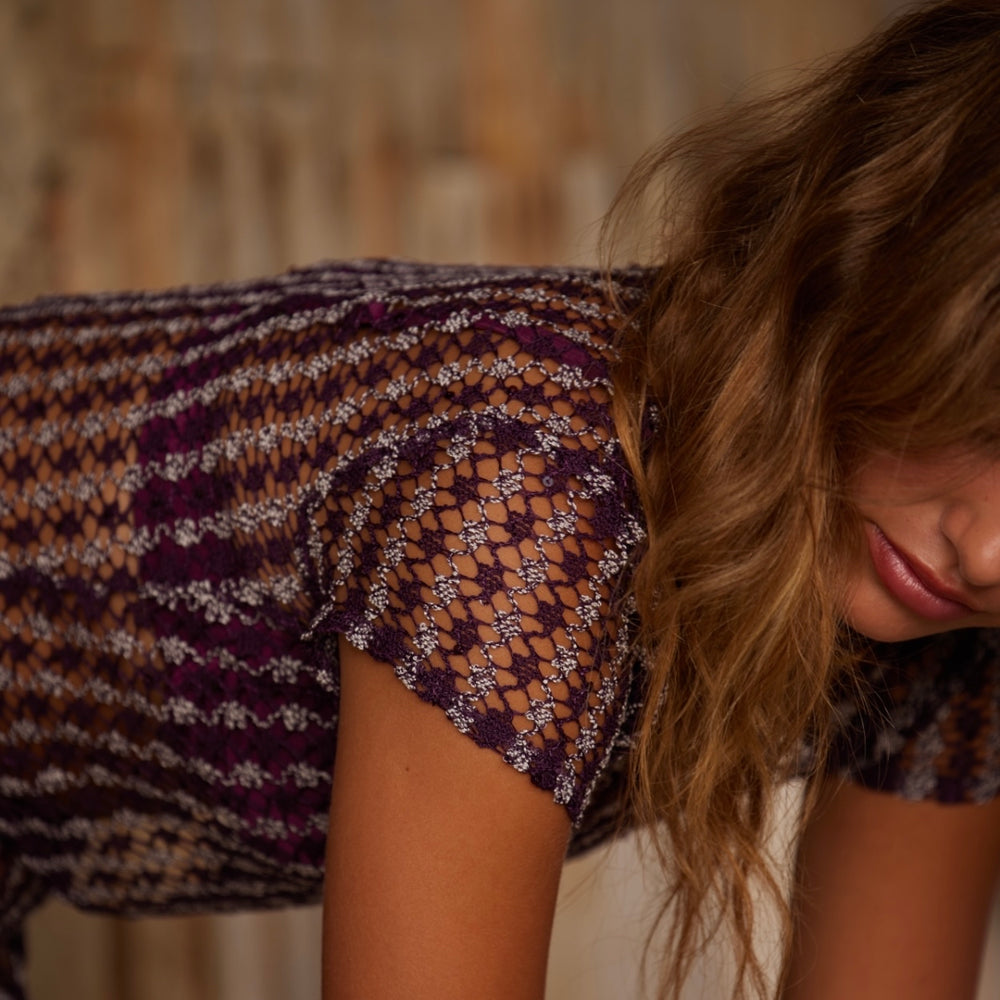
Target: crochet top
202 488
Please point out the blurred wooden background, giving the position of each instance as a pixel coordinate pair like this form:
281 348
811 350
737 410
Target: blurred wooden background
152 142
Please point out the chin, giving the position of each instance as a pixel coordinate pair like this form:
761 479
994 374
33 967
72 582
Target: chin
875 615
893 632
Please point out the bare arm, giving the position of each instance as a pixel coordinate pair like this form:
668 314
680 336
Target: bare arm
443 862
893 898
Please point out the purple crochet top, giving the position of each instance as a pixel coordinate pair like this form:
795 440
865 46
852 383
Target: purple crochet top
202 488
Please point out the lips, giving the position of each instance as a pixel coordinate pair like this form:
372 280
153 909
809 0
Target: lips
910 587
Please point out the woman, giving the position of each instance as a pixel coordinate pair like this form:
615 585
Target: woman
234 518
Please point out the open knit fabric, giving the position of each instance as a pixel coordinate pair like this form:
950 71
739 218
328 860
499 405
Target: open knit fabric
927 722
201 489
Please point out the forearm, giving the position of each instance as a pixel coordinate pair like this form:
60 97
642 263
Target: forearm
892 898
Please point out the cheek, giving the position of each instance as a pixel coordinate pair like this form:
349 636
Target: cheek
889 482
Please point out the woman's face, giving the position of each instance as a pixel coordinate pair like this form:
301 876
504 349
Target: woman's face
930 558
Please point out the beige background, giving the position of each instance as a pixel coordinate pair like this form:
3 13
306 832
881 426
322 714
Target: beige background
151 142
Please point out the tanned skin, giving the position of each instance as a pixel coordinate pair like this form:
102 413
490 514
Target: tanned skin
893 898
442 862
443 868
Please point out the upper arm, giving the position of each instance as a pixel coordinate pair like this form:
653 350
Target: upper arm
892 897
442 861
474 548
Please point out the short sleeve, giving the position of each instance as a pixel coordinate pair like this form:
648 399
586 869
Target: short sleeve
477 543
925 721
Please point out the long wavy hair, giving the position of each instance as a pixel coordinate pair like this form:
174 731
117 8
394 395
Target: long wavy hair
827 286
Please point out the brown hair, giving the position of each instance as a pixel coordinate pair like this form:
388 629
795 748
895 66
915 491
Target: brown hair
828 285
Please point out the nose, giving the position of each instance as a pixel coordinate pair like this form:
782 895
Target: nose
971 523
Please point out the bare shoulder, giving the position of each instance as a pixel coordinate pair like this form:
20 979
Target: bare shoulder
443 862
893 897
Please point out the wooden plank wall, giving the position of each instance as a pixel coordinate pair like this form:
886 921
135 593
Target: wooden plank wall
150 142
154 141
